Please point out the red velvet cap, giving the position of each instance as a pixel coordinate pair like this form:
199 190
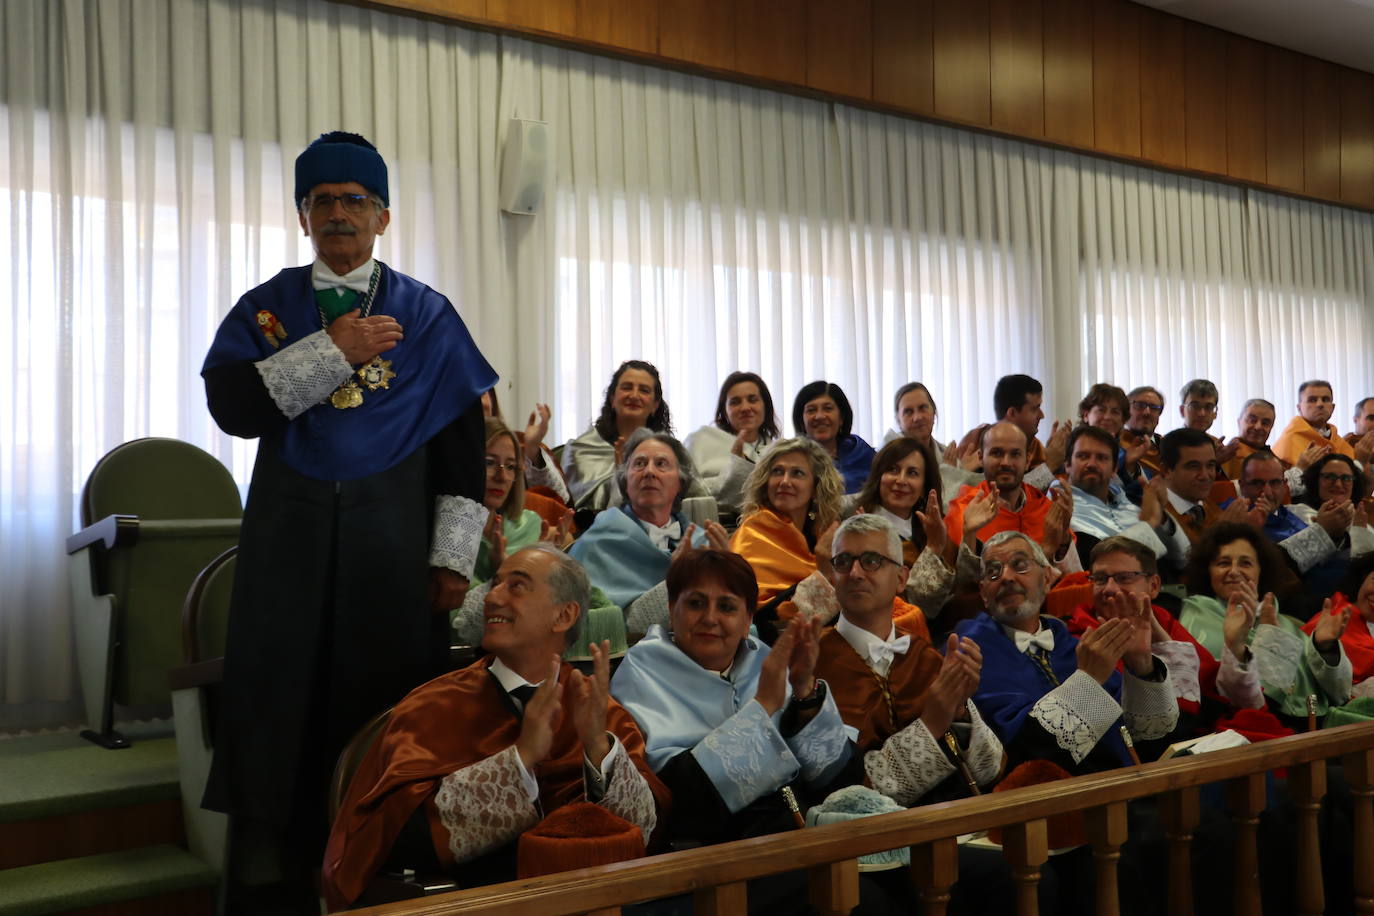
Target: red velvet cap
577 835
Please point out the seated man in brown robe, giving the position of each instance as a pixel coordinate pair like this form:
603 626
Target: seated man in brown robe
917 727
470 760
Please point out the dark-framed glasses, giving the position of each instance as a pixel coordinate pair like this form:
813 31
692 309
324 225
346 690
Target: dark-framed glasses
1147 406
352 203
995 569
870 560
1124 579
1328 477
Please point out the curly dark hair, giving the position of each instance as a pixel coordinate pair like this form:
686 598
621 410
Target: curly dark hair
887 458
769 427
1311 480
819 389
660 421
1197 575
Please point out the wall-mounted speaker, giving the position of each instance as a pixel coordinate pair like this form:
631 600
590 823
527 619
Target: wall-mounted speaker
524 165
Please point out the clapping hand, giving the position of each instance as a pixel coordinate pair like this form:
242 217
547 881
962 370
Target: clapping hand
954 685
591 701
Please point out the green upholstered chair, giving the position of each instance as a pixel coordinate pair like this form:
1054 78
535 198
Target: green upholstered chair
195 694
155 512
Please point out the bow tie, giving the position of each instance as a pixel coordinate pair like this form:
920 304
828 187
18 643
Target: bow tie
1025 641
322 278
879 652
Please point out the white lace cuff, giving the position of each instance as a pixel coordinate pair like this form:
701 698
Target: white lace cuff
1309 547
984 754
485 805
626 794
469 624
648 609
547 476
1077 714
930 583
815 597
458 524
1182 661
1276 656
1040 477
821 746
907 765
1334 680
1142 533
303 374
1293 477
1149 708
1237 683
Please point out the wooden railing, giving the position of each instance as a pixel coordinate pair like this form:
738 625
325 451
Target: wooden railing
716 875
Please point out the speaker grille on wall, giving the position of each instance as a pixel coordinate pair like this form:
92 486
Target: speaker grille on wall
524 165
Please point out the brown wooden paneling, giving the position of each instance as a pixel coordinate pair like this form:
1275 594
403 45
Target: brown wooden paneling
1204 74
1163 105
539 15
1068 33
1357 138
962 65
1321 134
1018 67
770 40
903 54
700 31
1283 118
630 24
455 9
839 47
89 833
1116 77
1245 88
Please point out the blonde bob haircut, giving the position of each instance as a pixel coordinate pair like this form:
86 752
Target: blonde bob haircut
827 489
515 499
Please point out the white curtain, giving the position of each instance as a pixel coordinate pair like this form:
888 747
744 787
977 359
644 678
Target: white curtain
146 151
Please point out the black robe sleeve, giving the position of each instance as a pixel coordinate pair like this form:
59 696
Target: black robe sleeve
457 456
239 402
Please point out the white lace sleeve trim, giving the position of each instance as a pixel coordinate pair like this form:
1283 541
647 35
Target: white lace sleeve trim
1334 680
821 747
627 794
484 805
907 765
469 624
967 567
1149 708
1040 477
985 755
815 597
458 524
1309 547
648 609
303 374
930 583
1237 683
1293 477
1077 714
1182 661
1277 655
547 476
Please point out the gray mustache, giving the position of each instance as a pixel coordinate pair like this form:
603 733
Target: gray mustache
339 228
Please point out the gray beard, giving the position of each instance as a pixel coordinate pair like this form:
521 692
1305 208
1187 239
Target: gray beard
1022 612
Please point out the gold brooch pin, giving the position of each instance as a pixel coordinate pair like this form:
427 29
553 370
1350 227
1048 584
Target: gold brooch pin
377 374
347 395
271 328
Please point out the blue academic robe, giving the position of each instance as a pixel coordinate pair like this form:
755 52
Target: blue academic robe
619 557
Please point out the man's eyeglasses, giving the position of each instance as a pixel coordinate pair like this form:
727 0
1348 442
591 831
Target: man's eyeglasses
1147 407
1338 478
870 560
1202 406
994 569
493 464
352 203
1124 579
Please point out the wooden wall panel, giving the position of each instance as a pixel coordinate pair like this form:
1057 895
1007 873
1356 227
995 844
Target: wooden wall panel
1204 68
770 40
962 62
1068 30
1357 138
1163 96
630 24
1116 77
904 54
1245 89
538 15
448 9
1321 128
1017 49
698 31
839 47
1283 119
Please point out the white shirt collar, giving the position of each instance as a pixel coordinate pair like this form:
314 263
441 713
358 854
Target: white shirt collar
1180 504
868 645
663 536
903 525
1043 637
508 679
321 277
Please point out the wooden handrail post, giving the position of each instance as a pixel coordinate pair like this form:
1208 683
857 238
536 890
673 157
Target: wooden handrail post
934 869
1026 847
1359 775
1245 799
1181 813
722 900
1107 831
1307 782
834 887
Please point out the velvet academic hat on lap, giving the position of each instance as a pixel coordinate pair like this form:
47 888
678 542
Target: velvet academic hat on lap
578 835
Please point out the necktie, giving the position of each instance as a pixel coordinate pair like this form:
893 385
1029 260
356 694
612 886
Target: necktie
521 695
1197 514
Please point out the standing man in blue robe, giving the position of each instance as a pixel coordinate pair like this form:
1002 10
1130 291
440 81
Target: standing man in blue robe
363 518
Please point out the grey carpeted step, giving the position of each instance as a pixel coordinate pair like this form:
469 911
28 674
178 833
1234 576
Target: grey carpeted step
81 777
92 881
